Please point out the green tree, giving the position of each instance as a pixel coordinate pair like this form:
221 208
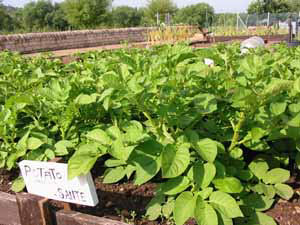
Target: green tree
86 13
125 16
2 15
271 6
294 5
201 14
256 7
59 21
7 21
160 7
38 15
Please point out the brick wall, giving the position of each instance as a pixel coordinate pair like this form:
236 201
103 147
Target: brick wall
39 42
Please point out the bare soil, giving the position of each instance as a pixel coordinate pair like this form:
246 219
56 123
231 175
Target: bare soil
6 178
286 213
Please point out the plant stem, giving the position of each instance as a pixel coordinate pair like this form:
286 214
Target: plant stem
236 135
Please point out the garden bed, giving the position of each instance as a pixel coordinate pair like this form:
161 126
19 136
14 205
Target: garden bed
166 136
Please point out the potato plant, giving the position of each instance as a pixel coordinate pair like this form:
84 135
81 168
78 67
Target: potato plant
221 140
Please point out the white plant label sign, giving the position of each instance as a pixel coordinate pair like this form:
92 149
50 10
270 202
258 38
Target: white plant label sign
50 180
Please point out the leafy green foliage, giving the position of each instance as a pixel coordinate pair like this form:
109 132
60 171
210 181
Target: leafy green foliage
38 15
207 149
228 185
162 7
83 160
114 175
271 6
85 13
154 208
162 115
225 204
125 16
284 191
175 186
277 175
203 174
184 207
18 185
174 161
8 21
205 213
200 14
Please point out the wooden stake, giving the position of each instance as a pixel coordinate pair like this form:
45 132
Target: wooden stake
67 206
33 210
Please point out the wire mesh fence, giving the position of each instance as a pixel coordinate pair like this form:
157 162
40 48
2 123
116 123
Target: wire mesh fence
230 24
240 24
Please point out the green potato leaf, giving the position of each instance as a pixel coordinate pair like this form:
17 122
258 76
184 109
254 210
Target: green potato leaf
228 185
207 149
34 143
278 108
154 208
83 160
18 185
114 175
225 204
175 185
203 174
175 160
284 191
99 136
259 168
184 208
205 213
277 175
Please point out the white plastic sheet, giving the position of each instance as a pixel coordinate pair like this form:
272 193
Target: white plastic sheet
253 42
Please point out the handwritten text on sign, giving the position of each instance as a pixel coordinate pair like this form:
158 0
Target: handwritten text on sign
50 180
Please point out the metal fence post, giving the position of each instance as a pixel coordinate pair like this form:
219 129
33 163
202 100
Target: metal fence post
297 27
237 21
290 29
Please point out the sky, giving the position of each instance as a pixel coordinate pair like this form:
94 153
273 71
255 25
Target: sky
219 5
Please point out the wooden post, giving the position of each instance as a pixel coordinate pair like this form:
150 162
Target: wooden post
9 213
76 218
33 210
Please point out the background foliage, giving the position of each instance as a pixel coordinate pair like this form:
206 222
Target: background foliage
200 14
44 15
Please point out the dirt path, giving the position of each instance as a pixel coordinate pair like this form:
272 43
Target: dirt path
68 52
67 55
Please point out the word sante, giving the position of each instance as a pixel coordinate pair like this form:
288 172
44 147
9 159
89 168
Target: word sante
72 195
